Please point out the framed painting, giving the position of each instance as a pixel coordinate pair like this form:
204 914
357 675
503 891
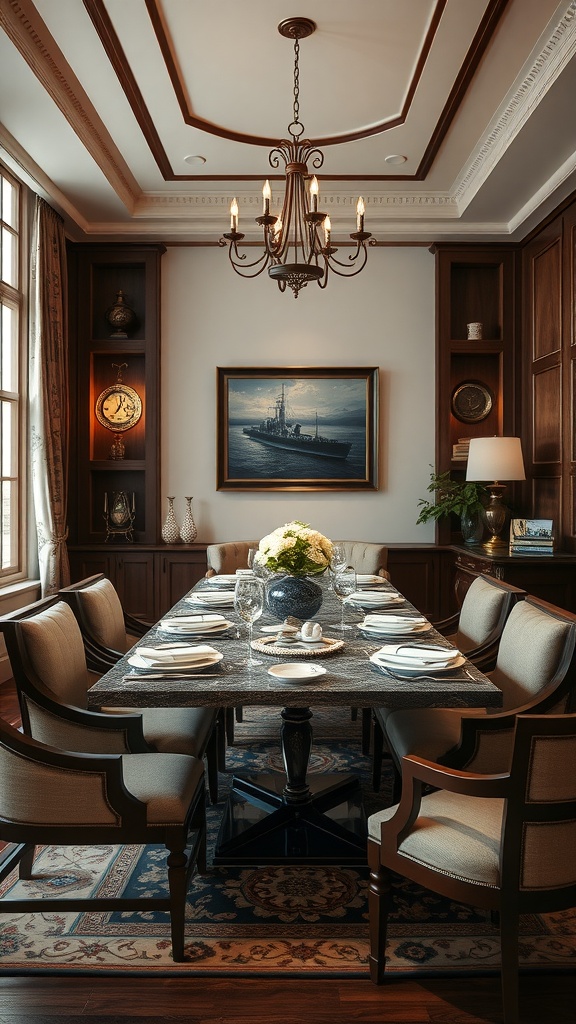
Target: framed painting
297 428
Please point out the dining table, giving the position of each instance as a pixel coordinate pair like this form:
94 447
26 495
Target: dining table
295 816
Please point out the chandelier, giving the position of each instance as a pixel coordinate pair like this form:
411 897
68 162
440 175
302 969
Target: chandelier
298 245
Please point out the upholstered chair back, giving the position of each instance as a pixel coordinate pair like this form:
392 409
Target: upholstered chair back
365 556
53 645
534 650
104 616
480 614
226 558
541 819
32 793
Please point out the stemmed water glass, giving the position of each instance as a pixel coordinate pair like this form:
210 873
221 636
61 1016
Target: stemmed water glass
249 605
338 560
344 584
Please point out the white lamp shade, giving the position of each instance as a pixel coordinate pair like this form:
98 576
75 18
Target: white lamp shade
495 458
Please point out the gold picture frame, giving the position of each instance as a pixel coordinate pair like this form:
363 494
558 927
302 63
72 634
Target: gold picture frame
297 428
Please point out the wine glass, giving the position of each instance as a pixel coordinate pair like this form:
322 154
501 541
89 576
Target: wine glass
249 604
251 555
344 584
338 560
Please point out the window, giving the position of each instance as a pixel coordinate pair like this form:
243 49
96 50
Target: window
11 559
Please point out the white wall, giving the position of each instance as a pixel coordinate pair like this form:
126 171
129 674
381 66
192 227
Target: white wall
384 318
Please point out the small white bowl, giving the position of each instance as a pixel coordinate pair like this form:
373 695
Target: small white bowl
297 671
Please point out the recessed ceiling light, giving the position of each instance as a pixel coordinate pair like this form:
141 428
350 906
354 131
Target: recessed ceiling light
194 161
395 158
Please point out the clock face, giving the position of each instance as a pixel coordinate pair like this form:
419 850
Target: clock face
118 407
471 402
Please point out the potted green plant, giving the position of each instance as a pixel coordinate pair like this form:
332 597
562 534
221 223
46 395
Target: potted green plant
464 499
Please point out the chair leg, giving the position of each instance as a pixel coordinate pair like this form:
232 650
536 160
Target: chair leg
229 717
377 755
212 759
240 714
221 731
366 730
379 901
509 959
26 862
177 874
353 714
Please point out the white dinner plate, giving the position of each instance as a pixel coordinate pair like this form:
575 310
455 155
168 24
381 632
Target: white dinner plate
394 630
172 667
414 668
297 671
367 580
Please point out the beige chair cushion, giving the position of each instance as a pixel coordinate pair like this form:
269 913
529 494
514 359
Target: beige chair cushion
529 654
165 782
366 557
456 835
479 614
103 611
178 730
56 650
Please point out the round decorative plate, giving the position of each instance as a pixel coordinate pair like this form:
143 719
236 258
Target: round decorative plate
471 402
296 672
269 645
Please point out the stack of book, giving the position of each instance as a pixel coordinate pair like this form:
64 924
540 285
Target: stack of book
531 537
460 450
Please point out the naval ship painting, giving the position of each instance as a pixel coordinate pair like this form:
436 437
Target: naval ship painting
279 433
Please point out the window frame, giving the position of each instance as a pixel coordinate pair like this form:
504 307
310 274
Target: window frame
16 297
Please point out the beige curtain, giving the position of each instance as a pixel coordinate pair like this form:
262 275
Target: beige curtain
48 395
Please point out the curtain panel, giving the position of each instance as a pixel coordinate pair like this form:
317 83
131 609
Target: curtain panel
48 395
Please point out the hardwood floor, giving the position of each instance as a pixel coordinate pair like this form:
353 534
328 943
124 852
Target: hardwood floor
546 999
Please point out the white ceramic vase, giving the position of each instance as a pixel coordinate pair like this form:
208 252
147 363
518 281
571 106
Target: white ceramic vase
170 531
188 531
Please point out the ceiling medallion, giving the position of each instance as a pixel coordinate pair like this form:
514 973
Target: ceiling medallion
298 247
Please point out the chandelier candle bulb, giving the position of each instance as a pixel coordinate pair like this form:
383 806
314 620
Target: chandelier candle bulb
234 215
266 196
314 194
360 210
327 230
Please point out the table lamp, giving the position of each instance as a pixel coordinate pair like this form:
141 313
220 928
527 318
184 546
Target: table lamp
496 459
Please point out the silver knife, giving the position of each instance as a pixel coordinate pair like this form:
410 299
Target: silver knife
170 675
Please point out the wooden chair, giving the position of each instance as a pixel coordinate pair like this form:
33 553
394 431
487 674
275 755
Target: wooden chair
224 559
475 630
536 672
56 798
108 631
505 842
367 557
46 652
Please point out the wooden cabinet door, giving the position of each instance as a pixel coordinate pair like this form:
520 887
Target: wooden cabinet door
177 572
134 581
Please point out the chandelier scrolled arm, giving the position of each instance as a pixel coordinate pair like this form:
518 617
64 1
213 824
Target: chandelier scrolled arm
294 252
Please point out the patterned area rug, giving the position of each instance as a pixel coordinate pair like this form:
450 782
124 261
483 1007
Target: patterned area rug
293 920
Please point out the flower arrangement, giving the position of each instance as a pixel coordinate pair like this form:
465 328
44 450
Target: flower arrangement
295 549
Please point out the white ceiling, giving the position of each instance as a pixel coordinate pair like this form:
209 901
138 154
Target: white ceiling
103 101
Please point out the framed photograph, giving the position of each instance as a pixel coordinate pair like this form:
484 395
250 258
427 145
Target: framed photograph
297 429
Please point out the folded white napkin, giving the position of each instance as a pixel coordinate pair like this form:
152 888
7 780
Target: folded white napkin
371 597
419 654
221 597
366 577
192 623
174 656
376 621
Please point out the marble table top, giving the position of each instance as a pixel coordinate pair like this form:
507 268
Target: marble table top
350 680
